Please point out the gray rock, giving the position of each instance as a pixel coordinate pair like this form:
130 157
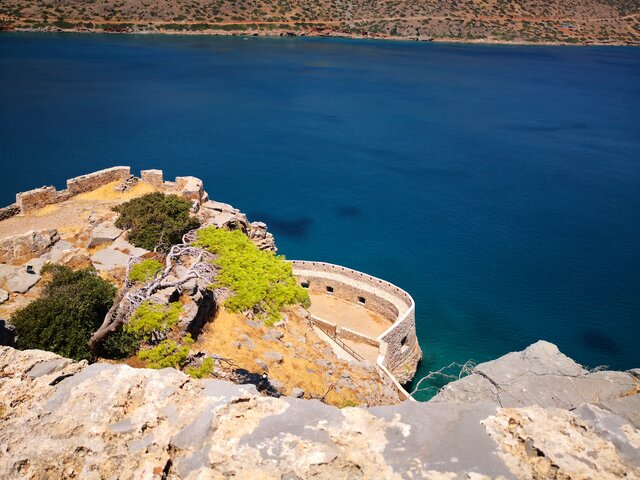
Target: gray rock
7 271
539 375
22 282
27 245
297 392
109 259
104 233
262 364
273 357
35 264
4 296
275 333
46 368
124 246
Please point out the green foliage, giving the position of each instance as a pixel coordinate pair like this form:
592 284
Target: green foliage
72 306
168 353
203 370
150 317
156 220
145 270
261 281
120 344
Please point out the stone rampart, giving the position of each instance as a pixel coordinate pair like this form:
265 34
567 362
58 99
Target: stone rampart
91 181
399 351
9 211
188 187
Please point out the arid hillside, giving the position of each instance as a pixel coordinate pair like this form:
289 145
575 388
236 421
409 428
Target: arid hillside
530 21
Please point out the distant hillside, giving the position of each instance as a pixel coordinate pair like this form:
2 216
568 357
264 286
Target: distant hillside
544 21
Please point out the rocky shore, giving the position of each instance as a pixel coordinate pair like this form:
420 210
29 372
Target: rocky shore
534 414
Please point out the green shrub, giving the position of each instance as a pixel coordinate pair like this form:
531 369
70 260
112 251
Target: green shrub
156 220
120 344
203 370
145 270
152 317
261 281
167 354
72 306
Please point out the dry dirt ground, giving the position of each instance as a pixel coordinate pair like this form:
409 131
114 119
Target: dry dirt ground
71 216
307 362
517 21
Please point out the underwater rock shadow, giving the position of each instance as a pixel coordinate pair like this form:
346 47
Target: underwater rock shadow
291 227
600 342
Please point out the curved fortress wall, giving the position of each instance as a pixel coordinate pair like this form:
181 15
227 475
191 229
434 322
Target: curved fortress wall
399 351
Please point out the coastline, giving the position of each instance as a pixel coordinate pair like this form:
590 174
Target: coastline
337 35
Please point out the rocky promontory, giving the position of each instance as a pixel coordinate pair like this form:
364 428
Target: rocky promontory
534 414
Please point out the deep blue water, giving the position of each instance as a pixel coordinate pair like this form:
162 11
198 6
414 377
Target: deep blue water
499 185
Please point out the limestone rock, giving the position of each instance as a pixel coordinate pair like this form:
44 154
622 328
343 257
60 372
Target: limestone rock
21 282
109 259
35 264
62 419
4 296
34 243
103 233
539 375
273 357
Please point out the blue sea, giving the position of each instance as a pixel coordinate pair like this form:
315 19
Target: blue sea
499 185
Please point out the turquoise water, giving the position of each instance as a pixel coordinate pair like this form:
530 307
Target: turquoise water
499 185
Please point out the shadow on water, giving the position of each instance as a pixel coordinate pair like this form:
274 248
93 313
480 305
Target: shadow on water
291 227
348 211
600 341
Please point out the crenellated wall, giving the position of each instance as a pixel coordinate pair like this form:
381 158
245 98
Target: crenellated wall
399 351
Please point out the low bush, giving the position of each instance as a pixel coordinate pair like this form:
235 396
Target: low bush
168 353
72 306
152 317
156 220
145 270
120 344
261 281
203 370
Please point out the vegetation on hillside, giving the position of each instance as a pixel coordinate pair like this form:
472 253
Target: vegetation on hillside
72 306
571 21
156 221
261 281
145 270
152 317
168 353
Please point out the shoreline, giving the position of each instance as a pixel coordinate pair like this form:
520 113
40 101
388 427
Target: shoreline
290 34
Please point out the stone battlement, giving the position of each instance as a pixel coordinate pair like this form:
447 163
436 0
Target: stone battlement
399 351
189 187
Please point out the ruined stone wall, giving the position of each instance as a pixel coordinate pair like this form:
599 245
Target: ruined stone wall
91 181
9 211
39 197
399 348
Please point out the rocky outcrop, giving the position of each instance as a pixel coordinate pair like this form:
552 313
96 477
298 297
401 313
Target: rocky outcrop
62 419
34 243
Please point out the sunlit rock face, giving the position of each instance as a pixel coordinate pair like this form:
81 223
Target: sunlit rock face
530 414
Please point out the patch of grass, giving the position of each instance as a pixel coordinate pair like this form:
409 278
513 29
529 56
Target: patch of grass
261 281
145 270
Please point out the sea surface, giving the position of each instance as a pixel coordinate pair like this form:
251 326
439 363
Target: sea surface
499 185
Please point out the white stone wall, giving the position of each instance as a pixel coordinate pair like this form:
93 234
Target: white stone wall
399 348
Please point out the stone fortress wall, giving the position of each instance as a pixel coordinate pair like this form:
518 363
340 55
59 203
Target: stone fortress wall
399 351
189 187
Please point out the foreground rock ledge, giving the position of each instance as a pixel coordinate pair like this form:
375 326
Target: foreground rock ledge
530 414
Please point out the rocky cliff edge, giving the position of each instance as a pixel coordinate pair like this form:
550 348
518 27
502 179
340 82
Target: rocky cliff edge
531 414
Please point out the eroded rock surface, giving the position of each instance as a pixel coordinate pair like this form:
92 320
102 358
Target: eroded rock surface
34 243
62 419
